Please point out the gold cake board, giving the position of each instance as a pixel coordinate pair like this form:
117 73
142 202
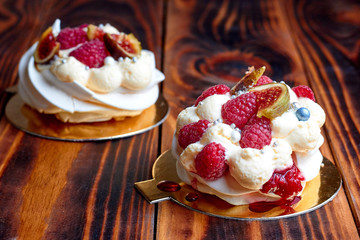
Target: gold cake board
317 192
47 126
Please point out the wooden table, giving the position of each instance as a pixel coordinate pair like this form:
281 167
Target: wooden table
70 190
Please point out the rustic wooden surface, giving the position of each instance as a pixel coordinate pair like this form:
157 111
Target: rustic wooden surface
66 190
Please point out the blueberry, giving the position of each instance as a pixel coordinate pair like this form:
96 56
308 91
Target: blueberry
303 114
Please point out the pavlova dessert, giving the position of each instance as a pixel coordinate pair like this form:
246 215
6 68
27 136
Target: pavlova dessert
88 74
256 142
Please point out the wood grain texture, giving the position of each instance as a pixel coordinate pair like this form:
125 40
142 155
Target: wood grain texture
217 42
328 42
66 190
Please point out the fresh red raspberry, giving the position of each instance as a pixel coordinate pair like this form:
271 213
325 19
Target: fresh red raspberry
71 37
263 80
210 163
284 183
92 53
256 133
239 110
192 132
304 91
217 89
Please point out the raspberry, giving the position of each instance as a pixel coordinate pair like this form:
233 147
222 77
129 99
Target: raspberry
217 89
263 80
92 53
284 183
192 132
71 37
256 133
210 163
239 110
304 91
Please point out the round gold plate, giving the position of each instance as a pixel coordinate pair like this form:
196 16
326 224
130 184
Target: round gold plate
316 194
47 126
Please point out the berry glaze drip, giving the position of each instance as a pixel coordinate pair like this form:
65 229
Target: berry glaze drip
168 186
263 206
191 197
287 184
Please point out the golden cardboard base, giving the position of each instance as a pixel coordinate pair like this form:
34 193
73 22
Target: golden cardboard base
47 126
317 193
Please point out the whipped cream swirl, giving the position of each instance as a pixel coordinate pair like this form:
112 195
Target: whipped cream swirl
249 168
75 93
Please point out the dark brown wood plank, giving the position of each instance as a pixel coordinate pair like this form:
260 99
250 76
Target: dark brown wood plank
328 41
212 42
62 190
67 190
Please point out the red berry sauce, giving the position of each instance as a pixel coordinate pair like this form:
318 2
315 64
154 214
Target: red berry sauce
263 206
287 184
168 186
191 197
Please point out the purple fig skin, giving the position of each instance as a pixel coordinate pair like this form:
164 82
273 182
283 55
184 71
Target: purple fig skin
117 51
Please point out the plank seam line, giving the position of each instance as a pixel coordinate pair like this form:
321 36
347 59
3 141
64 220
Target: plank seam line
163 38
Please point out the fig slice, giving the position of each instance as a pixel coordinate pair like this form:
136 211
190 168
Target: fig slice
47 47
273 99
248 81
94 32
122 45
